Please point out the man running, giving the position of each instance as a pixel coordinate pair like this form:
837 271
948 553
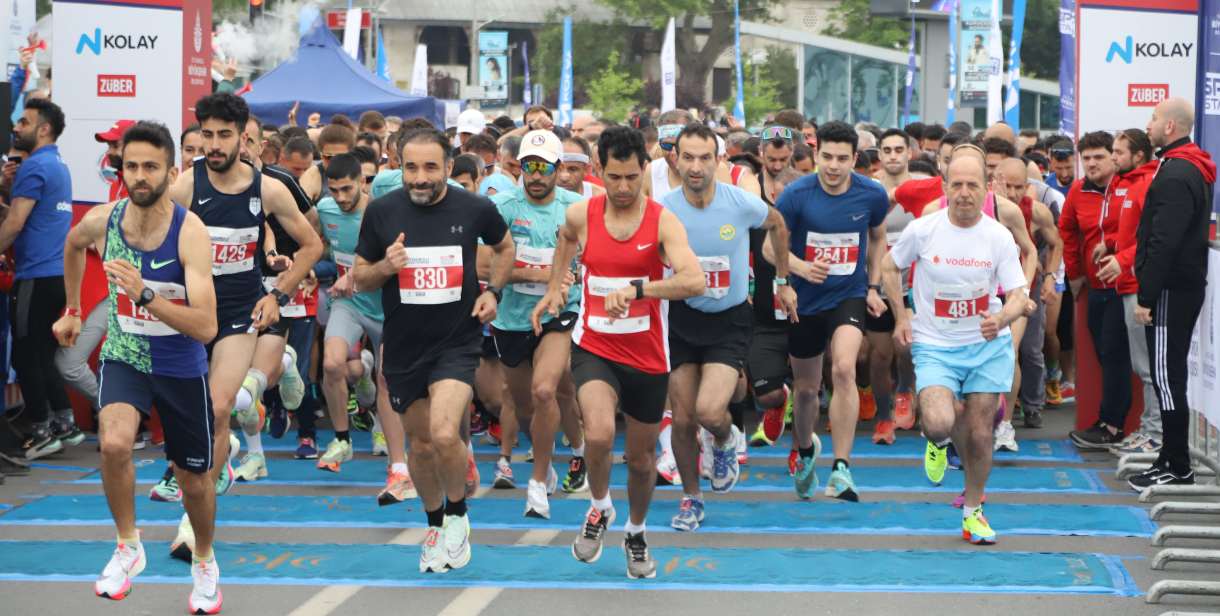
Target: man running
835 217
959 337
574 165
709 336
158 262
620 353
662 173
418 245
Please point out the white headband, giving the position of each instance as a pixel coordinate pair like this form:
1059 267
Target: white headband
574 158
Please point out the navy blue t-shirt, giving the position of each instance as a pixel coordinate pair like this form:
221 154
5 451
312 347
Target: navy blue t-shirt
835 227
39 248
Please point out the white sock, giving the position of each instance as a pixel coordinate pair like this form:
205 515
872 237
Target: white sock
579 451
666 439
286 362
602 504
254 442
632 529
244 399
376 423
400 468
969 511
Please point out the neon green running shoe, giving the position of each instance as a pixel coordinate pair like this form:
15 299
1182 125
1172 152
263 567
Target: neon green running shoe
935 461
976 530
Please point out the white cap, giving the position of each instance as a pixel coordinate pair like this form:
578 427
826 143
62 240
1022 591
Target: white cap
541 143
471 121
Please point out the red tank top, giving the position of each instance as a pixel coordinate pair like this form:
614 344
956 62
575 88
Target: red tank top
1027 211
640 339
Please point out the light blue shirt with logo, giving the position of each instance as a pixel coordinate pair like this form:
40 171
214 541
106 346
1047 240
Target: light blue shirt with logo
535 231
341 230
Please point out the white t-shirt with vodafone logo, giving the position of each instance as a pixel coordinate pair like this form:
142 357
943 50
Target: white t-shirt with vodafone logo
957 271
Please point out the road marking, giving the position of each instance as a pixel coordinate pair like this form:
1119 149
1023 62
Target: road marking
326 601
538 536
471 602
410 536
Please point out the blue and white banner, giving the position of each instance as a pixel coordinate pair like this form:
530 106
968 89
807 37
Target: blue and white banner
527 97
1012 94
739 109
1208 131
910 80
1067 67
383 64
565 77
951 113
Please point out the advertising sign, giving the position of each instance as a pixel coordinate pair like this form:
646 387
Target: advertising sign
1208 106
975 57
493 66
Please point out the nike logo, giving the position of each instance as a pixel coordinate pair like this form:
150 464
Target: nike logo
237 326
160 264
854 320
642 246
853 217
203 201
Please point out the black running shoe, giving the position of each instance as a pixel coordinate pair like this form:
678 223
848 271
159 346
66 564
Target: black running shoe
577 479
1159 475
41 443
1095 438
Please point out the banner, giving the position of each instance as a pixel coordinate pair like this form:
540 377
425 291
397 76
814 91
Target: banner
995 80
739 109
910 80
351 32
1012 94
975 49
527 96
419 72
668 70
1208 105
951 114
493 66
1202 389
565 77
1067 67
383 63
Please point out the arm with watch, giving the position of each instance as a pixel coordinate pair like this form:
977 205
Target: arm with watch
278 202
876 259
686 281
503 254
778 235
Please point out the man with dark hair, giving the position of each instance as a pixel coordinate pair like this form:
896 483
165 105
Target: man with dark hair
836 217
802 158
335 139
914 130
777 141
790 118
467 171
433 320
484 146
1089 227
930 141
620 355
996 150
35 227
372 121
373 142
192 146
1063 165
662 175
163 312
1026 140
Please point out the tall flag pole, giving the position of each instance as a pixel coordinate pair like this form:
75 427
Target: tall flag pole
739 110
565 79
1012 96
951 113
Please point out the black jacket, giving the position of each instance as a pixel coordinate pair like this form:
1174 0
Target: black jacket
1171 249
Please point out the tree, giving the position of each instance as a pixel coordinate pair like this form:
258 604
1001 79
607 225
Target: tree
852 20
780 68
1040 47
592 44
761 94
695 61
614 92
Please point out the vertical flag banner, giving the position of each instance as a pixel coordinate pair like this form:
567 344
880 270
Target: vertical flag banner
1067 67
419 72
527 97
910 82
668 69
493 66
1012 96
995 78
951 114
383 63
974 52
351 32
565 78
1208 133
739 109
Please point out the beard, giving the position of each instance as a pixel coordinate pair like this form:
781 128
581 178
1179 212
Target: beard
539 190
25 143
224 165
145 195
425 193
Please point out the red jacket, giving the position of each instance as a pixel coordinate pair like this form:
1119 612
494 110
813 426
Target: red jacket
1131 188
1087 219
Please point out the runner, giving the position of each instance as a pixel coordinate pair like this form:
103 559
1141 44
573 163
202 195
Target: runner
776 156
156 257
662 173
835 218
709 335
192 146
959 336
574 165
433 312
620 353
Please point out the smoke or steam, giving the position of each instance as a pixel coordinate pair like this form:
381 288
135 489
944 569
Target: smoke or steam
263 46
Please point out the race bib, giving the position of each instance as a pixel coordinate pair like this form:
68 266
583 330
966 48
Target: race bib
715 275
233 250
637 319
299 306
529 257
957 307
842 250
135 319
344 262
433 275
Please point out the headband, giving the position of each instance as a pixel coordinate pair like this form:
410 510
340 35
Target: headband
574 158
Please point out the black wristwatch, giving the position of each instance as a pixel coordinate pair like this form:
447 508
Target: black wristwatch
281 297
496 292
639 288
146 297
875 287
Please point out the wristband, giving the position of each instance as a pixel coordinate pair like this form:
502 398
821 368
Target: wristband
71 312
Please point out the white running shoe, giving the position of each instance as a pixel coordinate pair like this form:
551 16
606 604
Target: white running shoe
456 541
707 445
206 597
366 391
126 563
536 503
292 387
552 480
337 452
667 468
252 468
1006 437
504 475
380 448
432 553
184 542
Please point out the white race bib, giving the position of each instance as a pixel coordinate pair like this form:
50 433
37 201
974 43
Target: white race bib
637 319
958 307
135 319
529 257
344 262
233 250
842 250
715 275
433 275
296 307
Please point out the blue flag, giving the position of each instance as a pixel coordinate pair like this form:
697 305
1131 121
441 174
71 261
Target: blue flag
527 97
565 78
739 110
1012 96
383 64
1067 67
951 113
910 81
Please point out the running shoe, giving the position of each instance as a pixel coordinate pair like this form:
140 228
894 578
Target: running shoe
883 432
793 458
166 490
225 480
707 445
1160 475
552 480
456 543
492 432
366 391
1006 438
976 530
504 475
41 443
640 564
904 411
1096 438
667 469
479 426
126 563
1067 391
726 470
250 418
771 428
788 407
805 478
292 386
252 468
472 475
380 448
359 419
868 404
279 420
952 458
1031 418
67 433
588 545
139 444
307 449
529 454
577 479
432 553
743 455
935 461
537 505
840 485
1138 442
1054 397
690 514
206 597
183 545
337 452
398 488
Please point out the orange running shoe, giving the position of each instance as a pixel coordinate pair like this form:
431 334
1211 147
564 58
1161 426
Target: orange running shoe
793 459
868 404
472 475
904 412
883 434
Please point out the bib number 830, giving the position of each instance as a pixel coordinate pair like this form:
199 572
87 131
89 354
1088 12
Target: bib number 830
430 278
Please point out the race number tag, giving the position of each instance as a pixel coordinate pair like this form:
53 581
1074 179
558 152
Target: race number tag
715 275
529 257
344 262
958 307
842 250
433 275
233 249
299 306
637 318
135 319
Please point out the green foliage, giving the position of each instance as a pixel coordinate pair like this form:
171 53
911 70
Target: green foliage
852 20
762 94
592 44
614 92
1040 47
780 68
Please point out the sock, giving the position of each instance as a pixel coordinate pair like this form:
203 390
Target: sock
839 461
943 442
133 541
602 504
457 508
436 518
286 362
805 452
968 511
344 435
198 558
579 452
254 442
244 399
400 468
633 529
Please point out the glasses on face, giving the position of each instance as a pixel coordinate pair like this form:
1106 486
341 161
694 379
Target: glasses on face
538 166
777 132
368 179
668 146
1061 153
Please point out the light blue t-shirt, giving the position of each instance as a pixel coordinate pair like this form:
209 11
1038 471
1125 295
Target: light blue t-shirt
535 231
498 181
342 229
720 236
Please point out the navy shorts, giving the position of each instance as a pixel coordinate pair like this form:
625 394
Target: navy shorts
183 405
458 363
232 318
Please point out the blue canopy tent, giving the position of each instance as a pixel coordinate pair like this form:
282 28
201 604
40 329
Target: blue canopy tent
327 80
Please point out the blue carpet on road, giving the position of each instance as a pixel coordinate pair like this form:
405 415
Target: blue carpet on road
371 473
816 517
726 569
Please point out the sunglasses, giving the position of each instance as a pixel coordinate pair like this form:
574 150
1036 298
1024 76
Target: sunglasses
1061 154
668 146
777 132
368 179
538 166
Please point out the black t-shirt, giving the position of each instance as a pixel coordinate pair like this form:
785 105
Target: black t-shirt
284 244
764 275
428 304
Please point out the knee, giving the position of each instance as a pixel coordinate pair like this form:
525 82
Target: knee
543 394
115 447
937 425
684 423
844 374
421 447
193 483
642 463
599 440
334 367
805 388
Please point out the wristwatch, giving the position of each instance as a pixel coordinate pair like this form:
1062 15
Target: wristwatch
781 281
638 283
281 297
496 292
875 287
146 297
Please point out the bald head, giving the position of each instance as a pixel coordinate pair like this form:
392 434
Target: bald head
1173 119
1001 130
1013 177
1013 168
963 167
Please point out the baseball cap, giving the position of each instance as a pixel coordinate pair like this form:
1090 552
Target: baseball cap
541 143
471 121
115 132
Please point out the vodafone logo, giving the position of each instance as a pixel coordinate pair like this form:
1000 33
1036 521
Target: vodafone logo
962 262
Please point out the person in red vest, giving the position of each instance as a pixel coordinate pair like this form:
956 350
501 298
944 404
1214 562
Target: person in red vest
112 171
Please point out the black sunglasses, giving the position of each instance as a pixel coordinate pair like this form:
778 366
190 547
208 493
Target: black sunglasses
1061 153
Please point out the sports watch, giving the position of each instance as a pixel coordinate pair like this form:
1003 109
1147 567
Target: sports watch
146 297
